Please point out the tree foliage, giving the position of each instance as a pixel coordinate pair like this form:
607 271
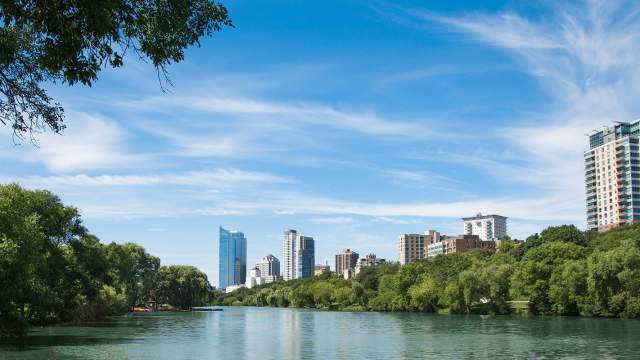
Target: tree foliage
71 41
53 270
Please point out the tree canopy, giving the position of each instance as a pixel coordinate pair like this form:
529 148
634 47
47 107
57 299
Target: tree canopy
53 270
71 41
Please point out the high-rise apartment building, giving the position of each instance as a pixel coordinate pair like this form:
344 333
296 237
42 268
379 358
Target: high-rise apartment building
298 255
305 257
411 247
269 268
289 254
612 176
232 258
487 227
346 260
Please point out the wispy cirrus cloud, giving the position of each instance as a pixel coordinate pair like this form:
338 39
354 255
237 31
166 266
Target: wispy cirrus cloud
363 121
584 55
333 220
218 177
90 142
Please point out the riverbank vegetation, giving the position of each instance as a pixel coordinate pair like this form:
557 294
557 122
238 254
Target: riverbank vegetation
561 271
52 269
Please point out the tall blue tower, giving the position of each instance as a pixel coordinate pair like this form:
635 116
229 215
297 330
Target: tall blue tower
232 264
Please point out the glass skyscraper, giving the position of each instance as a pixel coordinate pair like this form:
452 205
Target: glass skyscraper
305 256
232 264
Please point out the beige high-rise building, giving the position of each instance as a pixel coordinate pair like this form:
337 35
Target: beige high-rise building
345 261
612 176
411 247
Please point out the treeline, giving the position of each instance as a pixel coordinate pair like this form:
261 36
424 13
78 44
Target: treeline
53 270
561 271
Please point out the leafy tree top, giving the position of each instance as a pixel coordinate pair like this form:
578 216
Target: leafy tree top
73 40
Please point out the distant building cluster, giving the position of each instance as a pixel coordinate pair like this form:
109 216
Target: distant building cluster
480 232
266 271
298 253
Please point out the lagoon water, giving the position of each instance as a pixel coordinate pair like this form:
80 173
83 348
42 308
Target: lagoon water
267 333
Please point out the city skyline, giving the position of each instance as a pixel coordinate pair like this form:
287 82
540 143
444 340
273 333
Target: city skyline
354 126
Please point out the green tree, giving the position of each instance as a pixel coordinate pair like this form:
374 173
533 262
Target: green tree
563 233
472 288
568 287
133 270
453 297
343 297
183 286
614 281
72 41
424 295
497 280
35 227
321 293
262 297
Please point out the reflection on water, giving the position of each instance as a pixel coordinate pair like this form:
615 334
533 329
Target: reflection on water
265 333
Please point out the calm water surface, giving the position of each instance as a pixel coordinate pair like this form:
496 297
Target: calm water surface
265 333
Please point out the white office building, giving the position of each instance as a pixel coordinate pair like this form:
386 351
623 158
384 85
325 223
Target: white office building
487 227
298 255
255 278
269 268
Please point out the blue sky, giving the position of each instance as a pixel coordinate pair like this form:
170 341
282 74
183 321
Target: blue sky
350 121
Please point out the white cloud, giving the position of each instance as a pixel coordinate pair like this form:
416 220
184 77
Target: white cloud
218 177
333 220
419 177
89 142
364 122
392 220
